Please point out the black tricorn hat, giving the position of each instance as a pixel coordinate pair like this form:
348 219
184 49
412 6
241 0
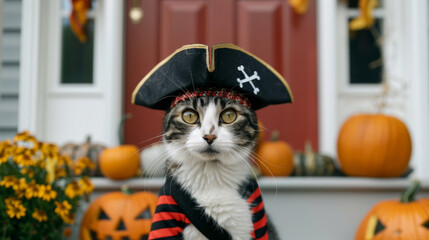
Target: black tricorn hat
232 68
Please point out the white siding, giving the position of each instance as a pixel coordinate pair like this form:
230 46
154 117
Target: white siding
9 72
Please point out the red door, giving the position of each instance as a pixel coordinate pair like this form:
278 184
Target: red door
270 29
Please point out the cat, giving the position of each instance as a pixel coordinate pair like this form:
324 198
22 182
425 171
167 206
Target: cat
209 142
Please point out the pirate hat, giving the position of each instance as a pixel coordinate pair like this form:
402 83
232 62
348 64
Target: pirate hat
238 73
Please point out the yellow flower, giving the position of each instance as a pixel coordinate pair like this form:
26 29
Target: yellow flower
77 169
32 190
4 145
9 181
22 136
46 192
40 215
85 162
64 159
19 187
81 164
28 172
20 184
86 185
49 151
60 173
68 218
12 200
25 160
6 150
15 209
24 141
3 158
41 163
62 208
73 190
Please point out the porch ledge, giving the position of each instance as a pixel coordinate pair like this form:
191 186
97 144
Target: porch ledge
280 184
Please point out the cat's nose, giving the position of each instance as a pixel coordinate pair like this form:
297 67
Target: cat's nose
209 138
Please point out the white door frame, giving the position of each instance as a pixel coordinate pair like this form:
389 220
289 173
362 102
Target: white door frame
415 31
35 70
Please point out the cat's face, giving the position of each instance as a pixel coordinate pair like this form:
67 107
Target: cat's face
210 128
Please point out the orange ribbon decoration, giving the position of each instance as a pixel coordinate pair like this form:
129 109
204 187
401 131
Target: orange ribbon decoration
365 19
78 18
300 6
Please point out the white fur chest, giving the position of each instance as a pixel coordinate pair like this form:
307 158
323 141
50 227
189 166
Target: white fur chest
216 192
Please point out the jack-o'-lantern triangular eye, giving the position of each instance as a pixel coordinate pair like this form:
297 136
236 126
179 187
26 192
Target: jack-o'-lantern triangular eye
426 224
102 215
145 215
374 226
379 227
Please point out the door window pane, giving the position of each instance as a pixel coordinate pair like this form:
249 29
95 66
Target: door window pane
365 56
77 57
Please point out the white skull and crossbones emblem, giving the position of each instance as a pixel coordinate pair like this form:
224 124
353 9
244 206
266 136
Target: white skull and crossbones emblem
248 79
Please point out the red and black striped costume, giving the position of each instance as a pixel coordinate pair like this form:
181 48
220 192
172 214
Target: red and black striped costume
176 209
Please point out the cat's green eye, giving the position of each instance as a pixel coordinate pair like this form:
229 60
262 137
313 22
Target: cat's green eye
190 116
228 116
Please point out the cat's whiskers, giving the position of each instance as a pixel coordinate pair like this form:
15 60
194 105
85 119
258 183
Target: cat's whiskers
192 77
161 162
182 88
256 159
151 172
150 139
243 160
246 160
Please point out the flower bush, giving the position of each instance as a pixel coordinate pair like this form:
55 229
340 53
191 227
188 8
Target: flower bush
40 189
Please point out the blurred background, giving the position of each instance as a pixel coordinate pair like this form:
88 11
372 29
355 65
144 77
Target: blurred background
64 79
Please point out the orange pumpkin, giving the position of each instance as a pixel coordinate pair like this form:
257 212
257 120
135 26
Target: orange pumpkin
119 215
374 145
275 158
404 219
121 162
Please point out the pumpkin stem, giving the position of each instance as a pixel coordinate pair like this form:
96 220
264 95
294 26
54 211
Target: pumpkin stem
308 147
121 128
125 190
275 136
409 195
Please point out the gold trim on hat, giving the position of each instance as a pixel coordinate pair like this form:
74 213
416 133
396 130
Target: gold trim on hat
212 67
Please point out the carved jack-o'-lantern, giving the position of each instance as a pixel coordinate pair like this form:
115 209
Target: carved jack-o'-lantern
120 216
403 220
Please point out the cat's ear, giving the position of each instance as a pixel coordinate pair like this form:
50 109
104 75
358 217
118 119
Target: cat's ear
237 69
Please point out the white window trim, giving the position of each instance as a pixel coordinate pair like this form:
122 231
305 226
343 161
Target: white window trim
35 60
344 85
55 53
415 66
